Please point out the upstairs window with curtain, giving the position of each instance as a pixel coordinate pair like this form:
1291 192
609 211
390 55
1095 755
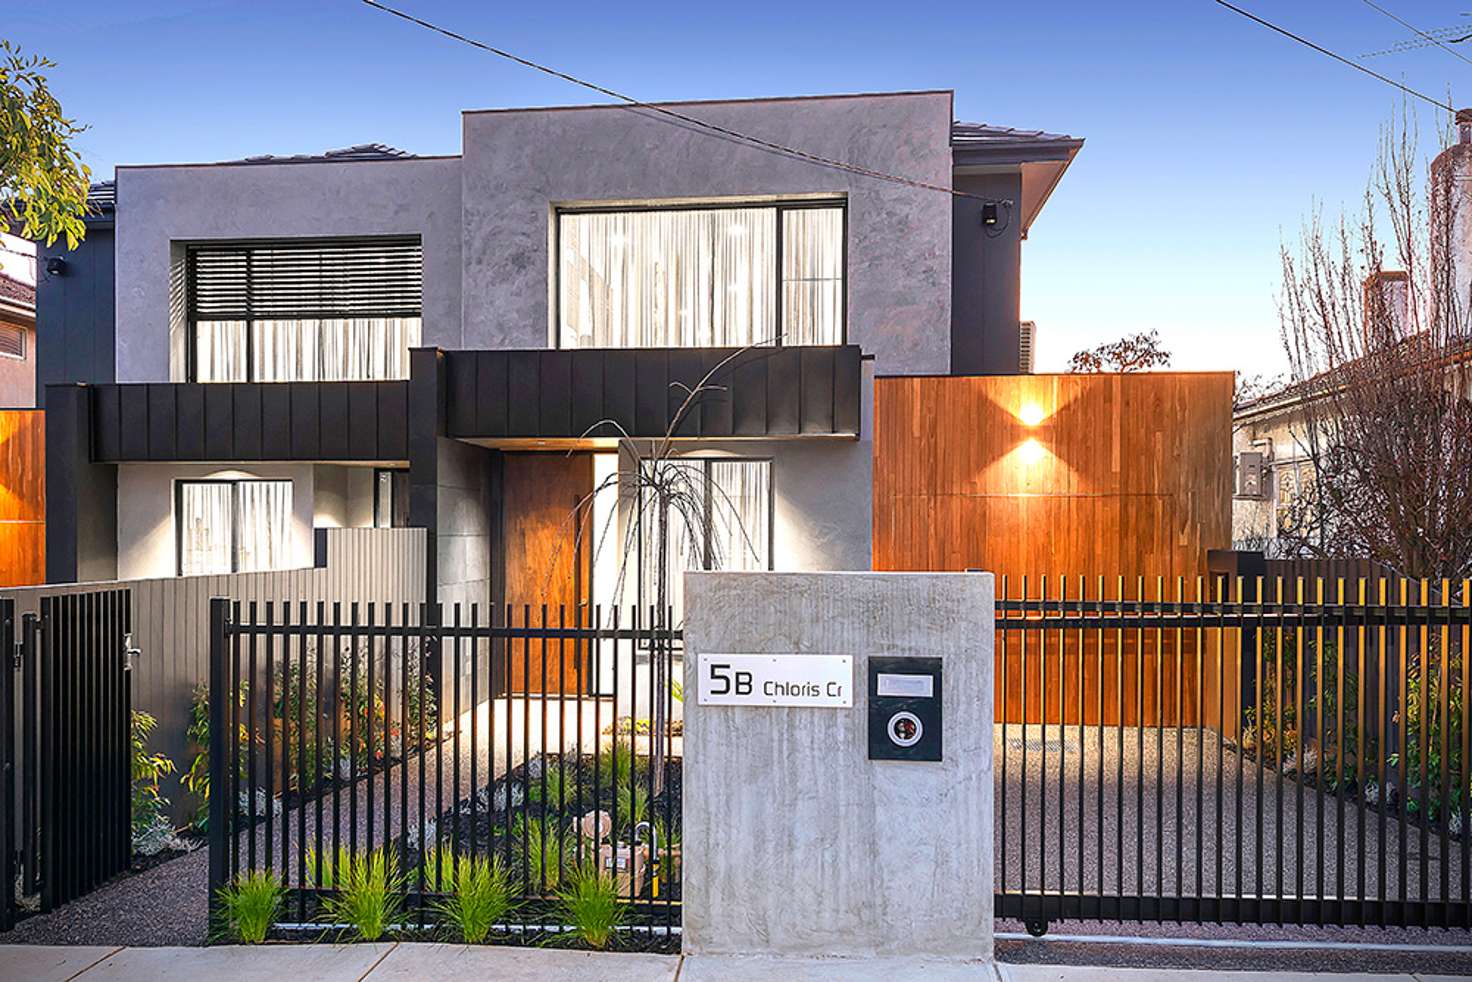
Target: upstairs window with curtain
303 310
232 526
701 277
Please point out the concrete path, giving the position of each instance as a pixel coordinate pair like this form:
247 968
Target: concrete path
451 963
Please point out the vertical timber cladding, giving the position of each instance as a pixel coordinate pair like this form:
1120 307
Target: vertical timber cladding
22 497
1042 476
545 560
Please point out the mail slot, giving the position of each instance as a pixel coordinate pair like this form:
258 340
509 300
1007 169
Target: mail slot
905 709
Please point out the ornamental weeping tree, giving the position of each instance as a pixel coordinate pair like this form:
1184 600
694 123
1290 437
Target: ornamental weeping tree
1377 321
667 496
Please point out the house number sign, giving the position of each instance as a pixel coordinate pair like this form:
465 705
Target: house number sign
775 680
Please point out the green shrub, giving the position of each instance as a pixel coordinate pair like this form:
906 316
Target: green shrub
547 789
549 852
479 895
632 803
589 903
369 894
251 904
336 865
152 831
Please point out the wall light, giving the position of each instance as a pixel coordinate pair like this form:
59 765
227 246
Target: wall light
1031 415
1032 451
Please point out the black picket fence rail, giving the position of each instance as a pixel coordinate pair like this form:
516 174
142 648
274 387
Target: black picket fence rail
523 736
1281 751
65 744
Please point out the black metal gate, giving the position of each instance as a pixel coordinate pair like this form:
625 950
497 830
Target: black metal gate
1249 751
65 717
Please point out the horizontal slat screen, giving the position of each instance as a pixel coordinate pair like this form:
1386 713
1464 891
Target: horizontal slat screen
306 279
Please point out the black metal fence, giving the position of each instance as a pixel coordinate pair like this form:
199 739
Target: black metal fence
1265 752
539 739
65 743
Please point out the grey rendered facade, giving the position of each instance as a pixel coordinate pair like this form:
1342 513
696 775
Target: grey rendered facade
930 287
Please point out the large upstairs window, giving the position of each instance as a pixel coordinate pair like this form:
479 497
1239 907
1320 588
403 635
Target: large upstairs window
303 309
694 277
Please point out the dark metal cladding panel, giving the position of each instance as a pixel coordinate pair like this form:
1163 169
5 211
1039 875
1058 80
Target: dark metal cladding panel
219 422
363 420
716 403
848 389
651 387
523 378
619 405
162 415
817 389
306 414
784 392
333 419
276 421
587 393
686 366
133 418
108 422
189 430
248 421
555 395
748 381
490 393
393 420
460 367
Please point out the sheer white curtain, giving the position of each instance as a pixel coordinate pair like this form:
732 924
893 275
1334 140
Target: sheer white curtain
263 524
205 522
340 350
219 351
682 278
812 276
726 517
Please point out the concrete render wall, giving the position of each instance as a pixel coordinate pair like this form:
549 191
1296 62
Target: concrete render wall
519 165
795 843
161 206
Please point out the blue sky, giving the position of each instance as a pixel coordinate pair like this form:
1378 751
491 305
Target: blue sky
1209 138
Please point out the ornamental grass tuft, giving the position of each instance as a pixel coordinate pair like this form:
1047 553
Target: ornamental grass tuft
250 905
589 902
369 894
478 895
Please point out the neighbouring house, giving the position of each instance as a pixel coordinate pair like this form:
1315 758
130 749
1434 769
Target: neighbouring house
17 323
252 350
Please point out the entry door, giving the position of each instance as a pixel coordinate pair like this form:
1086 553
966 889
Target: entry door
544 501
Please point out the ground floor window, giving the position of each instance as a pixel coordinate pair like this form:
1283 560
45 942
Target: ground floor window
232 526
718 515
390 498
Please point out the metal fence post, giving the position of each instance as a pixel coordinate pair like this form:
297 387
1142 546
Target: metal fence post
219 823
10 653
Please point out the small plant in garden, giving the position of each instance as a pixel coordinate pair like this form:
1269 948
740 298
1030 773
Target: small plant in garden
547 789
335 866
589 903
479 894
250 905
197 778
547 852
152 831
613 771
369 894
633 802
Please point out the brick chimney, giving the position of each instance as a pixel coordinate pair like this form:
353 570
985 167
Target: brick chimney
1387 306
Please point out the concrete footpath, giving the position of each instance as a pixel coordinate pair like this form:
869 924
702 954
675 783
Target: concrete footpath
391 962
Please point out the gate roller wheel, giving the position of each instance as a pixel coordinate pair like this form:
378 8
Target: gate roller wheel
1036 926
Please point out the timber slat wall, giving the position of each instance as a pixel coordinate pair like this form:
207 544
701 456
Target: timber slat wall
1123 475
171 620
22 497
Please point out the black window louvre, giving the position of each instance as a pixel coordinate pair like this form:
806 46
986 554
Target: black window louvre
306 279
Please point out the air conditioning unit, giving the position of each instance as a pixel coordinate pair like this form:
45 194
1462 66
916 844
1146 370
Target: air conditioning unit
1027 333
1250 475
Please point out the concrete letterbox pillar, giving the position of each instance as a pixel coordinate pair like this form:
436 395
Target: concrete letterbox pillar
797 844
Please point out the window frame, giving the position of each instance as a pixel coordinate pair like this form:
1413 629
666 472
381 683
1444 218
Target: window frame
378 472
723 204
22 347
180 482
191 322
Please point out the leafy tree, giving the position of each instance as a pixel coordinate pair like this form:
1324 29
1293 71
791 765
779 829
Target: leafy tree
1134 353
43 182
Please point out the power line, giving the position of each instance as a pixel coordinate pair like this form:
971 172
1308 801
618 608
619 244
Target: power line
633 103
1325 51
1449 50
